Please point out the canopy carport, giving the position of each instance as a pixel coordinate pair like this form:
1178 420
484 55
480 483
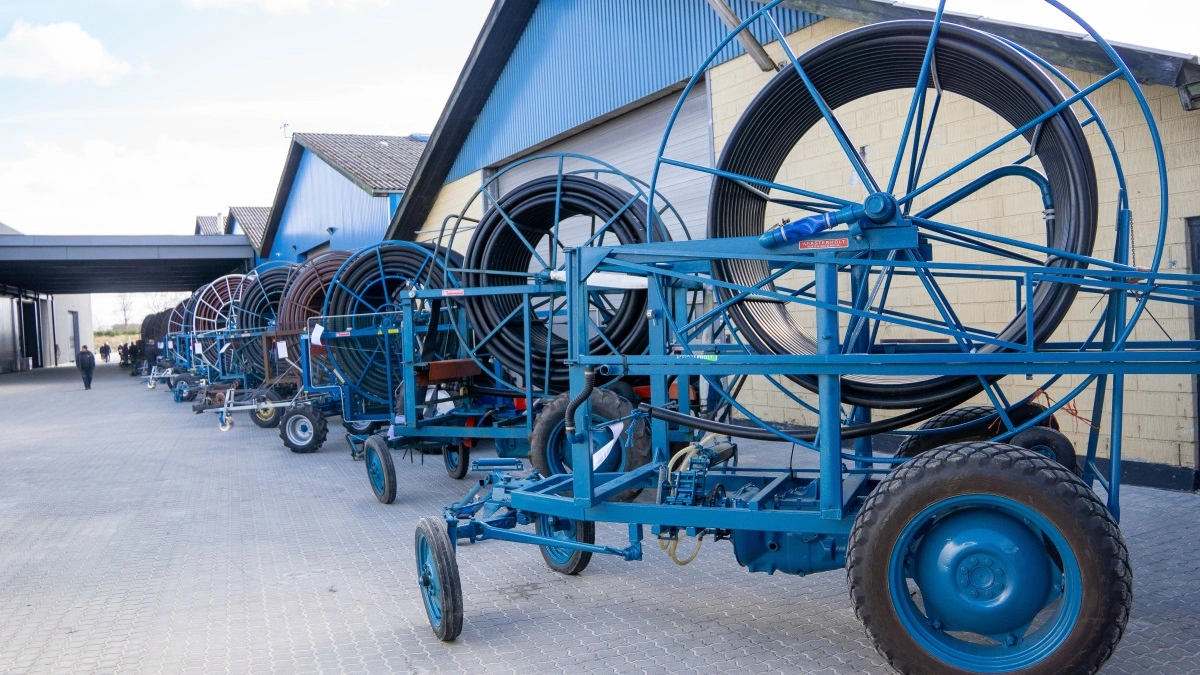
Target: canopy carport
119 264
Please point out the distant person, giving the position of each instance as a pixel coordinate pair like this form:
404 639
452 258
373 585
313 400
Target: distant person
123 352
86 363
57 354
105 350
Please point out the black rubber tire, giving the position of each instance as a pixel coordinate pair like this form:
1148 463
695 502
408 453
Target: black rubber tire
606 405
578 561
457 460
1019 475
193 388
1050 444
301 444
624 390
377 446
362 428
915 445
445 566
271 420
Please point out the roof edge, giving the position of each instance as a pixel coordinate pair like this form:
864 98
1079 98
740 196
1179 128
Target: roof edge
291 164
1067 49
501 31
369 189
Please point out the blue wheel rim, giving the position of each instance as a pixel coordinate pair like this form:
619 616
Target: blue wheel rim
558 528
558 452
451 456
1000 587
375 470
427 579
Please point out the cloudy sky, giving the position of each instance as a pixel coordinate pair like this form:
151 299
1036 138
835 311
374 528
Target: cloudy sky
134 116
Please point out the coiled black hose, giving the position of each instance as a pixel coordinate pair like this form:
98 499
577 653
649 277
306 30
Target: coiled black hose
374 281
304 297
875 59
497 251
256 310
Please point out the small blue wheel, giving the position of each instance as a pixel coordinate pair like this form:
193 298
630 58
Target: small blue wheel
988 558
457 458
566 560
381 471
437 577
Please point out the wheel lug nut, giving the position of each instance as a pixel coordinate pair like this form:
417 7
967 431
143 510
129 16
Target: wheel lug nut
974 561
987 561
974 593
962 582
999 573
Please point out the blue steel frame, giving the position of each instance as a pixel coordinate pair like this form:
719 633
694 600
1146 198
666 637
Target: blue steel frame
823 502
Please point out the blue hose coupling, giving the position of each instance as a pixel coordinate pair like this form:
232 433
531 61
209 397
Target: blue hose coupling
878 208
797 230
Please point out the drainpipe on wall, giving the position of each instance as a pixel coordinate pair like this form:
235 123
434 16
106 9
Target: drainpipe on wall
54 329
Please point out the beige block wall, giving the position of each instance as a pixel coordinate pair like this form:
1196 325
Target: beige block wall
1160 424
451 202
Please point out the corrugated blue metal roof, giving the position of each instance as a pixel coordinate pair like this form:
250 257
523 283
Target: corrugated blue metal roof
580 59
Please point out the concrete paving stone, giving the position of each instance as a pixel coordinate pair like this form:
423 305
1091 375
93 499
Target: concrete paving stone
135 537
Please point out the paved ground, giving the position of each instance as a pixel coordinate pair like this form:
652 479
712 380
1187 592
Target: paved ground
136 537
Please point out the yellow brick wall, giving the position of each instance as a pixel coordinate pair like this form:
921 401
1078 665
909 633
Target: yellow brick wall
1160 411
451 201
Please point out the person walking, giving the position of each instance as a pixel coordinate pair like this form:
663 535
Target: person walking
86 363
105 350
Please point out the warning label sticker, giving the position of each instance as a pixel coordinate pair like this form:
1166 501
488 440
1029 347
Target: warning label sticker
824 244
452 291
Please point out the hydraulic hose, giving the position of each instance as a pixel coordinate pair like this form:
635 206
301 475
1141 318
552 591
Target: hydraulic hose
805 434
367 292
500 254
870 60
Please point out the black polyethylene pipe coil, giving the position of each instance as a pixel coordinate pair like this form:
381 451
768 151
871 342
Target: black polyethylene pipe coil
256 310
304 295
496 247
373 281
257 305
870 60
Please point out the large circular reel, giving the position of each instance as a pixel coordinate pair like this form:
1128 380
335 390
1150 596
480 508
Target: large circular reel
787 159
256 309
974 65
520 240
304 295
367 293
211 313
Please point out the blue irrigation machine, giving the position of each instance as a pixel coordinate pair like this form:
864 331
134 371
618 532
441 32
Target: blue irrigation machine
443 346
983 543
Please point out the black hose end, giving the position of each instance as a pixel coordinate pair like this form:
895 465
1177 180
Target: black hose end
589 383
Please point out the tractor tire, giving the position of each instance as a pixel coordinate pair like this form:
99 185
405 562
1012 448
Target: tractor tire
267 418
550 453
303 429
1017 565
915 445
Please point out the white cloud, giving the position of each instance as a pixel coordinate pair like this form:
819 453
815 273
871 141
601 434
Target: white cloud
301 6
102 187
57 52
